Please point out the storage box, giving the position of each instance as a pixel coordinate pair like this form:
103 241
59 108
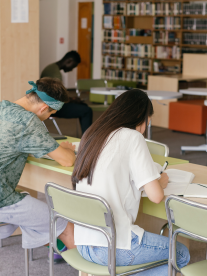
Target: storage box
188 116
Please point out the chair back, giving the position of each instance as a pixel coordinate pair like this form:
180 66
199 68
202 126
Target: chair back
186 214
157 148
85 210
86 84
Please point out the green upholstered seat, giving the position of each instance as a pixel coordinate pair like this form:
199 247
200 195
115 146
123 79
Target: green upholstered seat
73 258
196 269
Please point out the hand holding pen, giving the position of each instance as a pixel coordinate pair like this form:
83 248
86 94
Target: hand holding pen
164 167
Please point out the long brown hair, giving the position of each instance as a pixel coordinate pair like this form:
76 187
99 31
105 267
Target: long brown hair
129 110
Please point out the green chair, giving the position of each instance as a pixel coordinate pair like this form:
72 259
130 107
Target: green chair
190 219
157 148
89 211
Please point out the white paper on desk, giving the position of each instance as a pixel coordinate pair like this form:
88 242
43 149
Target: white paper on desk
194 190
19 11
76 144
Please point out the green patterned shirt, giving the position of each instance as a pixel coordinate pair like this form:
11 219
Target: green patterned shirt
21 133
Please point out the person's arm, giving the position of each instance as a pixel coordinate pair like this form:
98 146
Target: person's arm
64 154
154 189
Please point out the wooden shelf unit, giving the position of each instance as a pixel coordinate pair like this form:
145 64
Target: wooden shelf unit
145 21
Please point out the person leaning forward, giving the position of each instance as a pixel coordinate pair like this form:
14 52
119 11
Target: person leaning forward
22 133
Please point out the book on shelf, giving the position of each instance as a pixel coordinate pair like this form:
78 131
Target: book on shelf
114 35
167 52
160 67
114 8
114 62
195 38
186 50
195 8
165 37
167 23
108 22
138 64
139 32
194 23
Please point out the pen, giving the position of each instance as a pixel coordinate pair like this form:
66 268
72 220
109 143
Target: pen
205 186
164 167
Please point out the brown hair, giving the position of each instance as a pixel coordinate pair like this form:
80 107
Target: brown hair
129 110
52 87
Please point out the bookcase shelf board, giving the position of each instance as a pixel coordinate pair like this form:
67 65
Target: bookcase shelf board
160 31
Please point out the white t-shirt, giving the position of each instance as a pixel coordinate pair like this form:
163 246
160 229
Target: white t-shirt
123 168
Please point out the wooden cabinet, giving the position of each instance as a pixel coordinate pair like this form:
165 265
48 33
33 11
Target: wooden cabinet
19 51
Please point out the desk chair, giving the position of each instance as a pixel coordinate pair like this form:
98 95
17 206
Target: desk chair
157 148
93 212
190 218
28 252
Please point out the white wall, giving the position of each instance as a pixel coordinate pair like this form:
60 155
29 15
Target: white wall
59 18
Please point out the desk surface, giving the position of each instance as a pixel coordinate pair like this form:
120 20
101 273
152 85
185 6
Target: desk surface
194 91
152 94
54 166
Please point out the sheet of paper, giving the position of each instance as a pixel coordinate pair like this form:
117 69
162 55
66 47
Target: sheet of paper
19 11
84 23
195 190
179 176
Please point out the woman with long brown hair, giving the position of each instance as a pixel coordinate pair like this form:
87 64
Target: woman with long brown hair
114 162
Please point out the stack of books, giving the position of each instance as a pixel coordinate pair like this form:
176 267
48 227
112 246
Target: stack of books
167 23
195 38
113 62
114 8
114 35
194 24
195 8
138 64
167 52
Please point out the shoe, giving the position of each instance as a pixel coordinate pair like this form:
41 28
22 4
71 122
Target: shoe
58 258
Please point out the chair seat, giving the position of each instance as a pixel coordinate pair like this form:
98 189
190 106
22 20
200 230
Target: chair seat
73 258
199 268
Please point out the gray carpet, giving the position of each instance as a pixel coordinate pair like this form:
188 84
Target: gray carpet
12 255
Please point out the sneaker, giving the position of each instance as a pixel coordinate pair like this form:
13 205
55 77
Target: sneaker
58 258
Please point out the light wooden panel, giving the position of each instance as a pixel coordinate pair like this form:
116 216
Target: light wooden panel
195 65
161 108
19 51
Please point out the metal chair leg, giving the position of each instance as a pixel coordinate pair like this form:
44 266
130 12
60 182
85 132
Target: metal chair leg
51 260
163 228
31 254
1 243
56 125
27 262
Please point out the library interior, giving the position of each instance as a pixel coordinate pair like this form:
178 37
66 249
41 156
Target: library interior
77 77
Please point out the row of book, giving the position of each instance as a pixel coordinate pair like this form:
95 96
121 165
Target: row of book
114 22
195 38
147 8
113 62
162 68
165 37
195 8
139 77
114 35
194 50
138 64
113 48
114 8
167 52
167 23
194 24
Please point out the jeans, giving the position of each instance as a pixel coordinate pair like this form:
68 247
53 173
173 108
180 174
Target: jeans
77 110
153 247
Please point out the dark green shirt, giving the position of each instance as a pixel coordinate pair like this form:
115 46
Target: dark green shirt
21 133
52 71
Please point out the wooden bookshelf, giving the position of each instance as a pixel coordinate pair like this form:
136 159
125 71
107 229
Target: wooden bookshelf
161 57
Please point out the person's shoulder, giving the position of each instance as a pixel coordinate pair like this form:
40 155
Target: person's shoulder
130 133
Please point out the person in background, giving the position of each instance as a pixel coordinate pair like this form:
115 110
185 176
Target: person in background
23 133
114 162
75 108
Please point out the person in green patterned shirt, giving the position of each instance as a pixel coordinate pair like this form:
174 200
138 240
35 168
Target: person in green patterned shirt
23 133
74 108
